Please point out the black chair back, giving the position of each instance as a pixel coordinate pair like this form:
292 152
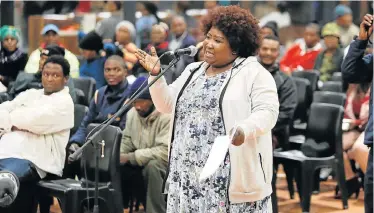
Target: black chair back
311 75
87 85
337 76
80 97
329 97
303 98
325 125
332 86
79 113
109 167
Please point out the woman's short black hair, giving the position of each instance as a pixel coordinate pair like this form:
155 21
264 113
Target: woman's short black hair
238 25
60 60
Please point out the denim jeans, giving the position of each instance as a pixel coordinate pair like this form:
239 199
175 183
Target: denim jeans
23 169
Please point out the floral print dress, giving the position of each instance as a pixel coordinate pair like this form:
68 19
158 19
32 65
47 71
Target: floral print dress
198 122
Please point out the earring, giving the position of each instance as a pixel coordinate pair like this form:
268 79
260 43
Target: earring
234 53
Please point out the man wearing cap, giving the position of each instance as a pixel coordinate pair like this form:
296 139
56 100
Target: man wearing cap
144 151
50 36
331 58
343 18
12 58
27 81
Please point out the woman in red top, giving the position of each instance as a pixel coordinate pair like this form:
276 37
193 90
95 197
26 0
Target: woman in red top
356 113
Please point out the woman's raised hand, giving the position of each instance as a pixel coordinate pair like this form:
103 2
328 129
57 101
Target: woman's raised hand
149 61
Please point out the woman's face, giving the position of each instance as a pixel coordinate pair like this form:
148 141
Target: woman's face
114 73
331 42
123 35
158 35
10 43
216 48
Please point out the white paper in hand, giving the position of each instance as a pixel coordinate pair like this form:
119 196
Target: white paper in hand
216 156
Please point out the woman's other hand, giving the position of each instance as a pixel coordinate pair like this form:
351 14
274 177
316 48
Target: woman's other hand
238 138
149 62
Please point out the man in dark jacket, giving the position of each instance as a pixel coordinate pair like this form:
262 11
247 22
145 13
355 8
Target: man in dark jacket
357 68
268 54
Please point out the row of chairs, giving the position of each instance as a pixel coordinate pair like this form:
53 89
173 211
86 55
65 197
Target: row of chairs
318 117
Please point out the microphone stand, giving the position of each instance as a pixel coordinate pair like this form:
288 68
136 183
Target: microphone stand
91 138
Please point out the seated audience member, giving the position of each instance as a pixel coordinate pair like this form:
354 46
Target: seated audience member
357 113
145 22
12 59
180 36
158 40
347 30
35 129
331 58
271 28
91 44
302 54
144 151
50 36
125 36
106 27
27 81
107 100
268 54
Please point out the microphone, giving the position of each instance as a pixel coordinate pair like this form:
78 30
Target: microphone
190 51
9 186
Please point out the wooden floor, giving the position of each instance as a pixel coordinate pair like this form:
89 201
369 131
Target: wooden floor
324 202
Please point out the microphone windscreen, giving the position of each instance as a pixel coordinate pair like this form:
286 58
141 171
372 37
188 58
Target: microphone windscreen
9 186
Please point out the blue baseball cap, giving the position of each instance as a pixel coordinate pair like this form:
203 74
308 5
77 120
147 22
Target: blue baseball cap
50 27
342 10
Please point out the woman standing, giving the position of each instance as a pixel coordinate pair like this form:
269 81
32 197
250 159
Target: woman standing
229 89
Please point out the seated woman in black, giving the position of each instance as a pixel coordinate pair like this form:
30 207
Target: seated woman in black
107 100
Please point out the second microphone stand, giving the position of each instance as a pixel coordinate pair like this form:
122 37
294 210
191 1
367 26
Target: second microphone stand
97 145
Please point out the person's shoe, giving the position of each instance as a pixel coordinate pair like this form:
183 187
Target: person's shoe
353 186
325 173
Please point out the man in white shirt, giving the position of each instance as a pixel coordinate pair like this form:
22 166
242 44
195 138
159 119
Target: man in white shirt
34 130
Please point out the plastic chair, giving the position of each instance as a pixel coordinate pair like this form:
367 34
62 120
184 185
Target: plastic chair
329 97
311 75
324 126
332 86
87 85
73 194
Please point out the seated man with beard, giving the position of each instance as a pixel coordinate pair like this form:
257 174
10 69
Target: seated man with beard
144 151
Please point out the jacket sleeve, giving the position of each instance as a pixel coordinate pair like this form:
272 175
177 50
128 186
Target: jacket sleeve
164 95
74 64
318 63
42 119
160 149
287 103
357 68
32 65
264 103
126 144
80 136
